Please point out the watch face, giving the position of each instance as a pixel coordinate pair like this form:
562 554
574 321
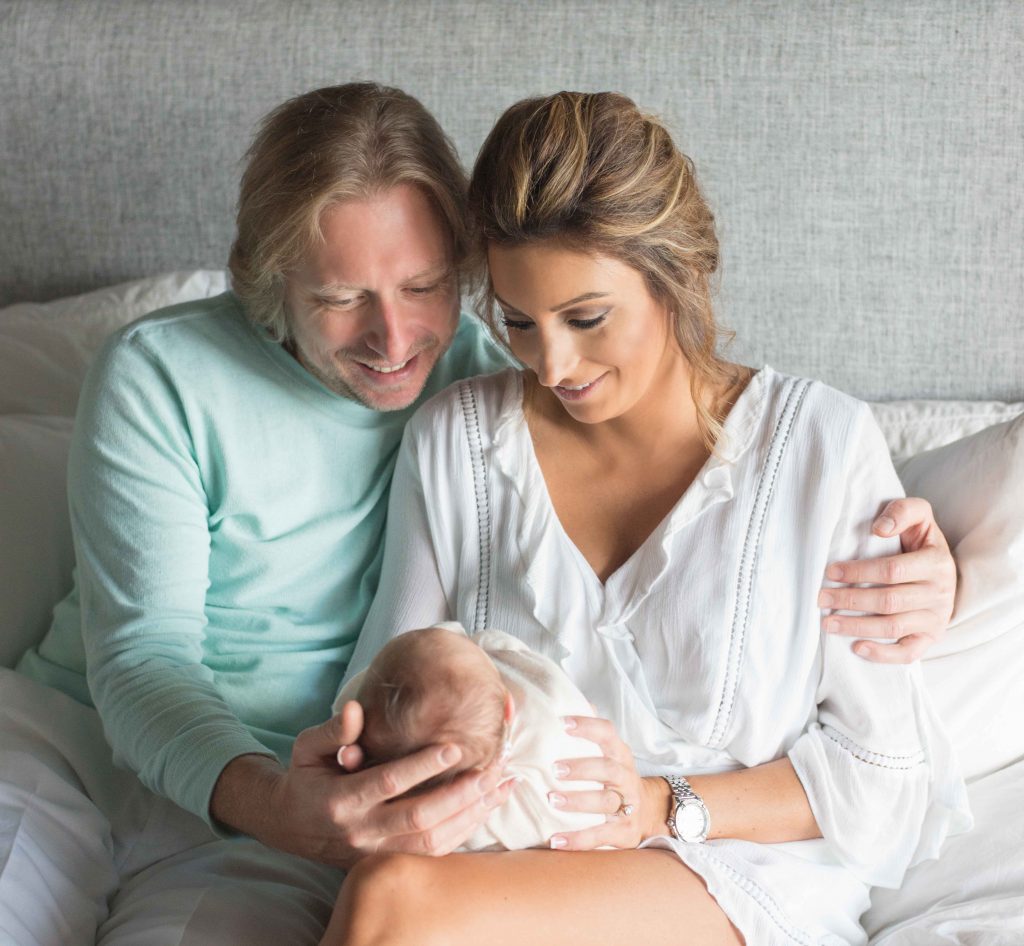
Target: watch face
691 821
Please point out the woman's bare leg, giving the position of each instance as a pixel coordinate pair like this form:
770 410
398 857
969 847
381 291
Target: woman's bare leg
541 898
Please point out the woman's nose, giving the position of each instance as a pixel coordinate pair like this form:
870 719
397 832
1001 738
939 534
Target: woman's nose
556 359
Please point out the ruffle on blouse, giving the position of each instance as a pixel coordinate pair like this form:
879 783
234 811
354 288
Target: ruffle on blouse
594 651
840 776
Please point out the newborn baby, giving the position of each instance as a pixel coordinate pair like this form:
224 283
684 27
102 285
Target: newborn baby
493 697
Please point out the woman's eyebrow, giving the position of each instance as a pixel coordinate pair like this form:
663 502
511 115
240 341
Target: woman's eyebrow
586 297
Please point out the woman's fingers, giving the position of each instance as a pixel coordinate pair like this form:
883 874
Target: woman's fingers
601 769
601 732
610 834
608 801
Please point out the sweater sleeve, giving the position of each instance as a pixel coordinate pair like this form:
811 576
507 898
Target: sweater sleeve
142 542
875 763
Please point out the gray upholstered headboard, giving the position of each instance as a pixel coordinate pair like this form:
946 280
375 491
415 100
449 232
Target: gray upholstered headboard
865 159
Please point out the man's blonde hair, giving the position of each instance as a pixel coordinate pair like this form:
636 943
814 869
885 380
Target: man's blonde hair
591 171
333 144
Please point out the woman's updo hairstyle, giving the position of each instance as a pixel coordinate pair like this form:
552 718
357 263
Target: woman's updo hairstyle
593 173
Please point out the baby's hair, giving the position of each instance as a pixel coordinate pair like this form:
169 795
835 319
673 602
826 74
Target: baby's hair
410 700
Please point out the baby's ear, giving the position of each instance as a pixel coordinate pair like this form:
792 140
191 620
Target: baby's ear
510 707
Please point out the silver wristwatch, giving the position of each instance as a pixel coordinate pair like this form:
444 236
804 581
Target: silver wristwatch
689 819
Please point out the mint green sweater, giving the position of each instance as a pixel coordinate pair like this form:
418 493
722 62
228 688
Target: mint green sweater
228 513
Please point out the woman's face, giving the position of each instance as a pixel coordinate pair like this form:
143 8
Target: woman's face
587 326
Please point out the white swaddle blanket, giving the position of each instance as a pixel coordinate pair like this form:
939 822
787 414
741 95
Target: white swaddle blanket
537 740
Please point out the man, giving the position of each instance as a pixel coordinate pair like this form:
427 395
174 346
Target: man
228 486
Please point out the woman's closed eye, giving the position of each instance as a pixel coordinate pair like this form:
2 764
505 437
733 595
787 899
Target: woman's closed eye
522 325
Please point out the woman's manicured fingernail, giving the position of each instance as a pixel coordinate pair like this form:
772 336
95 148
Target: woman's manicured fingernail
885 524
561 770
557 842
825 600
569 723
832 626
557 800
834 573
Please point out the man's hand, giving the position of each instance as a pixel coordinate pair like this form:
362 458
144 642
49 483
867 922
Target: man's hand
317 810
915 601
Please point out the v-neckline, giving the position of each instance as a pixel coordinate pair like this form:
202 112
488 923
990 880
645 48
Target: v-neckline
616 578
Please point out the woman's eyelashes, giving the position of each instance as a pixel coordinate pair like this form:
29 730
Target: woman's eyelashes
521 325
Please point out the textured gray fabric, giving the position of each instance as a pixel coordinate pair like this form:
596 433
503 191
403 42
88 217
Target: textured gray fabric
865 159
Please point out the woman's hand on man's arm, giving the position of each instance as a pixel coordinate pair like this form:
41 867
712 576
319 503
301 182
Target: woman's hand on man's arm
917 589
317 810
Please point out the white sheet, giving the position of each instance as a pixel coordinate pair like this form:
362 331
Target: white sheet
973 895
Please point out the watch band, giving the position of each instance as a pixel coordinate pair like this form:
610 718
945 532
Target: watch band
689 806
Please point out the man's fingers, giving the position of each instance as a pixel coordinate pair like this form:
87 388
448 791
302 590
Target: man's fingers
904 651
314 745
888 599
890 569
904 514
391 779
425 812
888 627
350 758
445 836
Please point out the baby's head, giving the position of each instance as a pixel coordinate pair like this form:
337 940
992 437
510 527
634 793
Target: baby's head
432 686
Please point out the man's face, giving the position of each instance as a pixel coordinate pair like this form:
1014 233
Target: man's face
374 306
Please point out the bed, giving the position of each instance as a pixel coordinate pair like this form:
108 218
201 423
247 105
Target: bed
866 165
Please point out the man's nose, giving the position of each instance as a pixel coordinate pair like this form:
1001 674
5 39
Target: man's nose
390 332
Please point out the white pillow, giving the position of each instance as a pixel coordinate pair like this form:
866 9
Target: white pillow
46 348
975 675
911 427
36 556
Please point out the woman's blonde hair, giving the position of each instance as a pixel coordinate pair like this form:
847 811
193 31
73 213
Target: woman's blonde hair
593 173
333 144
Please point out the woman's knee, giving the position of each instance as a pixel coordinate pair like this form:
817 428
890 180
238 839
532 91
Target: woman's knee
384 902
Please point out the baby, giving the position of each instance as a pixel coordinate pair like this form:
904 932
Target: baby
493 697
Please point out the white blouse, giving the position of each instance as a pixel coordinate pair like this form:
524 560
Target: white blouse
705 647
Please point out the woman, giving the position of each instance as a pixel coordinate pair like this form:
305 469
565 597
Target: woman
656 520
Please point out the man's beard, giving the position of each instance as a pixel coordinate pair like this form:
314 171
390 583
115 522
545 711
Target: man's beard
335 381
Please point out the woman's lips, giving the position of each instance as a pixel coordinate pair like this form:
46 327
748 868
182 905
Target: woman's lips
577 393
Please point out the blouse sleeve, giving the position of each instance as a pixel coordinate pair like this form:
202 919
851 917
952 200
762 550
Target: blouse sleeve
876 764
410 593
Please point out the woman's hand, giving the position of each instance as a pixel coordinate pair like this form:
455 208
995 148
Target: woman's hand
633 806
319 811
915 602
